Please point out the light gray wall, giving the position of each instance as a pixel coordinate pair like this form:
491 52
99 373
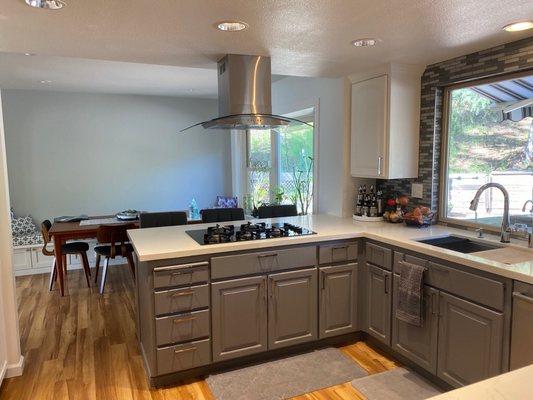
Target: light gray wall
71 153
297 93
336 188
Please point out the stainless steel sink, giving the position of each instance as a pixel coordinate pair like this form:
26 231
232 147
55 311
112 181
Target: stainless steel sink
459 244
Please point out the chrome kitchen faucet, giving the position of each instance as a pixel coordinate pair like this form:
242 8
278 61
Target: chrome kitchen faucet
505 234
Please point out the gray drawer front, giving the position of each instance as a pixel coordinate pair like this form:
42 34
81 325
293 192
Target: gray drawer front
181 300
477 288
181 328
261 262
181 275
474 287
183 356
378 255
398 256
337 253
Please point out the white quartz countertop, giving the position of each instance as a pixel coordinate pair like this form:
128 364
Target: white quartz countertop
514 385
173 242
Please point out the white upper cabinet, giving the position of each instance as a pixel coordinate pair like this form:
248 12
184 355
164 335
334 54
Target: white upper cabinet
385 114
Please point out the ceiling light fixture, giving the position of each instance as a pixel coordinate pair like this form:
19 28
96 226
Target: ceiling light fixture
46 81
46 4
29 54
365 42
231 26
518 26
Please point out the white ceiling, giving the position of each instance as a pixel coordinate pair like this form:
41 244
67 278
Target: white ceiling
18 71
303 37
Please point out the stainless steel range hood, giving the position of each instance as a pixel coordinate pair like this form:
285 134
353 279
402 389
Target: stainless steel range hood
244 95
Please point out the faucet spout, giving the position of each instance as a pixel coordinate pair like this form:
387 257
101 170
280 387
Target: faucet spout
505 234
525 205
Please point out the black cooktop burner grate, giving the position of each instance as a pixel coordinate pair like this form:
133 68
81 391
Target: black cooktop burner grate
249 231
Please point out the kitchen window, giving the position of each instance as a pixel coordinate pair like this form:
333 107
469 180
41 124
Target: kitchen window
280 164
488 137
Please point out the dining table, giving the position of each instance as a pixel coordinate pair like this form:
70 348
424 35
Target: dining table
61 232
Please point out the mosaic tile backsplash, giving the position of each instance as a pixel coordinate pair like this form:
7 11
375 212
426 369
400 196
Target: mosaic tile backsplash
509 57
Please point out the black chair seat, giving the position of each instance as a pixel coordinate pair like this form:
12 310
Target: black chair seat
222 214
105 250
277 211
74 247
159 219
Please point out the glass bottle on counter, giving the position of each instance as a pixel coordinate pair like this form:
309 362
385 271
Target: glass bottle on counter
373 208
366 202
379 200
359 202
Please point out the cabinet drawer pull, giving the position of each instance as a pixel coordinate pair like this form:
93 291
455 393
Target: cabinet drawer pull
185 319
184 350
323 280
380 160
181 273
386 284
183 294
339 247
267 255
523 297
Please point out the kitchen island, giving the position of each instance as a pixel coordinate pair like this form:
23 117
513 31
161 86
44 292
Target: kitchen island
202 308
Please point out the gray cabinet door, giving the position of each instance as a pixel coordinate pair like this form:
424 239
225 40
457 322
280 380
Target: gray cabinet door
338 306
379 305
522 330
470 341
418 343
239 317
293 308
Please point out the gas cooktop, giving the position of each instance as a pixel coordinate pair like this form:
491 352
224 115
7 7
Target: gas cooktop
249 231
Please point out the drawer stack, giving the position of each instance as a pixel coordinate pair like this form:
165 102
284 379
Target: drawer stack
182 317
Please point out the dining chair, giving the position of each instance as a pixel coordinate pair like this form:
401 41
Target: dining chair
79 248
159 219
277 211
222 214
113 241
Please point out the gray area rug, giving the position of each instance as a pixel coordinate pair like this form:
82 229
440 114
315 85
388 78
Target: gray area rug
291 376
397 384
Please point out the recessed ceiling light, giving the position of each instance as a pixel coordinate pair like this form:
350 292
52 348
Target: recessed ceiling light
231 26
365 42
29 54
46 4
45 81
518 26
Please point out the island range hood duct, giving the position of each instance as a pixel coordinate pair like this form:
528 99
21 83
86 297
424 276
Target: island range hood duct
244 95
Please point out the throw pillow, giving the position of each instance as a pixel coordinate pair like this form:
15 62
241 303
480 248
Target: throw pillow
226 202
23 226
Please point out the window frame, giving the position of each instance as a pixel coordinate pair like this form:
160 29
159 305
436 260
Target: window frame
309 113
443 170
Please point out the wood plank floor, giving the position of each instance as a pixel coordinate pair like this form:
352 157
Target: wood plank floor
83 346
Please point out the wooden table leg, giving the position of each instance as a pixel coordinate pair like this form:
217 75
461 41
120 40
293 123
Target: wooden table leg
58 242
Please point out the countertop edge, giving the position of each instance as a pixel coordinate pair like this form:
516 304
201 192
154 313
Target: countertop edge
489 266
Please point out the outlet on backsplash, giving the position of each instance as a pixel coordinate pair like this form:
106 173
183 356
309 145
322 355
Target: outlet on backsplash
417 190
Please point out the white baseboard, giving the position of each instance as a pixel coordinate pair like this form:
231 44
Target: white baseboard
15 369
71 267
3 370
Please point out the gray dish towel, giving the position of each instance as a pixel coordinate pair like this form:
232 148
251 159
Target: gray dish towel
410 293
